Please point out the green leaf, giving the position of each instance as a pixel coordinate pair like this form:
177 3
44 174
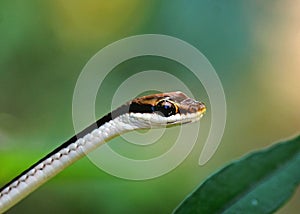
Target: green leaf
259 183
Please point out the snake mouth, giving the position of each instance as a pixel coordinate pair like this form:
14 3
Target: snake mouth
202 108
188 118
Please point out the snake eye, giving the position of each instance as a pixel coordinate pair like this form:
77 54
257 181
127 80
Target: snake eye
166 107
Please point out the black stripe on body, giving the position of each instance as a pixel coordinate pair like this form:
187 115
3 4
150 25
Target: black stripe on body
129 107
73 139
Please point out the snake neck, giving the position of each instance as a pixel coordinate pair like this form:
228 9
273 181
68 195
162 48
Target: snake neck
63 156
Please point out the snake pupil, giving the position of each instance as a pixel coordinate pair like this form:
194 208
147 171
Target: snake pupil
166 108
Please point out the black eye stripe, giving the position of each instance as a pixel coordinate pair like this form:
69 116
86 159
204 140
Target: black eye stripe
163 107
138 108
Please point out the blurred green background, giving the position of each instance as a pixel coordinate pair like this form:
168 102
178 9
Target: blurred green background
253 45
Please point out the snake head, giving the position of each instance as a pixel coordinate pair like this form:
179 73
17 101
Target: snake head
164 109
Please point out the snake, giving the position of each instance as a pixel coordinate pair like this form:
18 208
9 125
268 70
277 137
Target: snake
145 112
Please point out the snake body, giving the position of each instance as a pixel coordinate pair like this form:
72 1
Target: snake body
157 110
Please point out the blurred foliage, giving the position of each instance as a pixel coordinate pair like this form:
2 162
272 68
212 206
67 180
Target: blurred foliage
44 45
261 182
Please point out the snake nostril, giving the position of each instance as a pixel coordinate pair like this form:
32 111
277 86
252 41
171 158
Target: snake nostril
202 107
